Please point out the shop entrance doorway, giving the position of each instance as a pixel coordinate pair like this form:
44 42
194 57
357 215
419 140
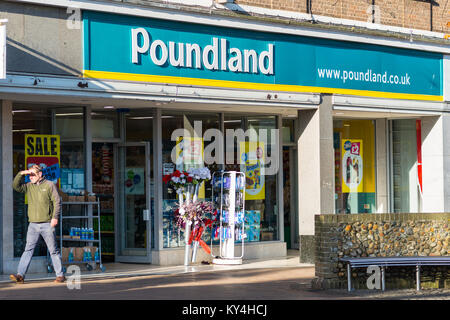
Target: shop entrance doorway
133 202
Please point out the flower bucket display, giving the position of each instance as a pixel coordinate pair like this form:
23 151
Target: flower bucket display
191 215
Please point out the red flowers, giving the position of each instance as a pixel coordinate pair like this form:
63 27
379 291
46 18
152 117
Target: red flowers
166 178
176 173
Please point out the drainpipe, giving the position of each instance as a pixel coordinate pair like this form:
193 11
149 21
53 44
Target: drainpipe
308 6
431 15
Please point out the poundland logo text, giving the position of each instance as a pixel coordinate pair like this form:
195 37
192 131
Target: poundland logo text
216 56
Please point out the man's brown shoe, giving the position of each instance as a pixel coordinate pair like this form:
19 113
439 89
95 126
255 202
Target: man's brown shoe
17 278
60 279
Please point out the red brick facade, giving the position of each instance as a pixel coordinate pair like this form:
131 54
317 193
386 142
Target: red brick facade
415 14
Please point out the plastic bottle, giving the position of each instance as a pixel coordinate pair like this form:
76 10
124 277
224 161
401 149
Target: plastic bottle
88 255
97 256
70 258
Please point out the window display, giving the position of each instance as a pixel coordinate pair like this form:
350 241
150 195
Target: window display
354 149
192 157
261 185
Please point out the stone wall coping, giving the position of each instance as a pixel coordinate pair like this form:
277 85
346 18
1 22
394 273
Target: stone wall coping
333 218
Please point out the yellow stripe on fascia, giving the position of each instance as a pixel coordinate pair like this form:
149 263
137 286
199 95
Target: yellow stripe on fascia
251 85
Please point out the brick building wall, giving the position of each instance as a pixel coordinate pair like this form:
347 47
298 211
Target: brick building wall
400 13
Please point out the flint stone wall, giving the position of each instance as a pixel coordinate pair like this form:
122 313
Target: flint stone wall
381 235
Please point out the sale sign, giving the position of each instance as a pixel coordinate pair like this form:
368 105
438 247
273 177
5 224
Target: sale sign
44 150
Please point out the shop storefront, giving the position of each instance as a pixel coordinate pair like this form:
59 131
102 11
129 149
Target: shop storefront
345 125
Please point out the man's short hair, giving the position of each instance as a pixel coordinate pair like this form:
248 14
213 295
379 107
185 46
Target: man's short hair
36 168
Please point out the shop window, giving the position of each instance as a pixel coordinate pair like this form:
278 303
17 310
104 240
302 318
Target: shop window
171 121
139 125
406 191
288 131
261 208
26 120
261 188
354 149
44 121
69 125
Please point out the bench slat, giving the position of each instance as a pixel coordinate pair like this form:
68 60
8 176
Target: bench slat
397 261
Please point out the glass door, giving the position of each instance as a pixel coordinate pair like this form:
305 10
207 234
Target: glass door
133 199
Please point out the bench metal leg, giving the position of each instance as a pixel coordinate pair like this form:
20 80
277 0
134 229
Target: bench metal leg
382 279
349 278
418 277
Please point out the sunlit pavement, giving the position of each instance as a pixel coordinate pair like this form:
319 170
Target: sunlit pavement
243 284
275 279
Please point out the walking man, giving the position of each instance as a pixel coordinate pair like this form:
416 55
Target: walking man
44 207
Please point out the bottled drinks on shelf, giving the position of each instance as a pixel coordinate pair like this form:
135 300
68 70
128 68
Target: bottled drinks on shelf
96 256
70 258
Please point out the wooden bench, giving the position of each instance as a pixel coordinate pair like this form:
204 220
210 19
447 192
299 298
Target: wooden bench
384 262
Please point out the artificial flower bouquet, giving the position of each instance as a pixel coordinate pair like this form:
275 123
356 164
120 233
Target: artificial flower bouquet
180 180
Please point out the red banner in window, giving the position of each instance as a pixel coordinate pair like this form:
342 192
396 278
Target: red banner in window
419 152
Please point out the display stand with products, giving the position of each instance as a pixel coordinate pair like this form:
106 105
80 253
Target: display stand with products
228 192
87 255
103 187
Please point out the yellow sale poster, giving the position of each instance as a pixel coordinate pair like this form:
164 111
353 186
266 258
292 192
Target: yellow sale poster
44 150
252 164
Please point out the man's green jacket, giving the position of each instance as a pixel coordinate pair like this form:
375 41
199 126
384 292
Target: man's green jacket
44 202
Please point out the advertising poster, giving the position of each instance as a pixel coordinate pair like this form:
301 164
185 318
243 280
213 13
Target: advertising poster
43 150
135 181
252 164
352 165
72 180
189 154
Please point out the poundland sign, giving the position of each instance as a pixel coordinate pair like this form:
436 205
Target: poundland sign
151 50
